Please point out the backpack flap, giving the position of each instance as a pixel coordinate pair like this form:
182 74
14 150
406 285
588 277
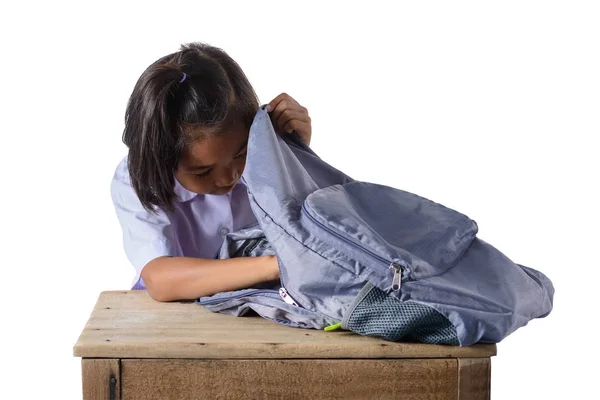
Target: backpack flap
396 233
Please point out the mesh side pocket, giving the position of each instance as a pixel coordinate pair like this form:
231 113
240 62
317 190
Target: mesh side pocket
378 314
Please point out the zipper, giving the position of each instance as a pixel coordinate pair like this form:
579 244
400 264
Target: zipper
397 281
268 292
282 294
395 266
286 296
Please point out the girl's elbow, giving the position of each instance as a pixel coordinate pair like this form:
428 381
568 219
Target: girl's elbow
156 286
158 295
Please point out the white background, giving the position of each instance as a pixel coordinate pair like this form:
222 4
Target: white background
490 109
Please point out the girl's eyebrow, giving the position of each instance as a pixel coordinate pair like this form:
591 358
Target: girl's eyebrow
196 167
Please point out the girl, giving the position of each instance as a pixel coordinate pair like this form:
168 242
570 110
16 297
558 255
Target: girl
177 193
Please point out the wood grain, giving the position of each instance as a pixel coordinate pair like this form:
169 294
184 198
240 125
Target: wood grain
101 379
129 324
289 379
474 378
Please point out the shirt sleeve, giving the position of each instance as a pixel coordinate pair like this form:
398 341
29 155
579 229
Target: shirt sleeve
146 235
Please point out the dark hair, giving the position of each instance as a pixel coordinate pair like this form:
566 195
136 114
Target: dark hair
214 95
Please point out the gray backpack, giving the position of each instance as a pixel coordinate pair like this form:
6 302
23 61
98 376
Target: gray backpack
370 258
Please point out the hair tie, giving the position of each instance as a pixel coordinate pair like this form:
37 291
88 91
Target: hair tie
183 79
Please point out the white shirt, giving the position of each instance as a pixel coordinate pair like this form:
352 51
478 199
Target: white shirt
195 229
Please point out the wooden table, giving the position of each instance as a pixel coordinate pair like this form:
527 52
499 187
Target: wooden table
135 348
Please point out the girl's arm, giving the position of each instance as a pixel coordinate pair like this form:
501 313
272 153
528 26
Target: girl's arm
179 278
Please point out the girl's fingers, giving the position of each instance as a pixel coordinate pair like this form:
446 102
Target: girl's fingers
275 102
289 115
281 103
282 107
302 129
299 126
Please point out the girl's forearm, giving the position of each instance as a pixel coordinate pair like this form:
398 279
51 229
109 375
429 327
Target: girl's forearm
179 278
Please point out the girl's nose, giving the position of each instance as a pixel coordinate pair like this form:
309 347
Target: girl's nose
228 178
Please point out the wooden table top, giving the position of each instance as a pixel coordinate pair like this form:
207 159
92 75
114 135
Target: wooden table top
129 324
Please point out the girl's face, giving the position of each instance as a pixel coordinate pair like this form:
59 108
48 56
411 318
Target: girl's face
214 165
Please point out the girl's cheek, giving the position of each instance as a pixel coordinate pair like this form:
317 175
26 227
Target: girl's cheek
202 187
242 165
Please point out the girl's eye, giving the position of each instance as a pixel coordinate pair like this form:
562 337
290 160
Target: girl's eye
241 155
203 175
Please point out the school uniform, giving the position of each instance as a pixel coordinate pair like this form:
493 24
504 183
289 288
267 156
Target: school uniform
196 228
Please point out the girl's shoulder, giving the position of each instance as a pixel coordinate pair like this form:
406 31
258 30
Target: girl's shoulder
122 191
122 171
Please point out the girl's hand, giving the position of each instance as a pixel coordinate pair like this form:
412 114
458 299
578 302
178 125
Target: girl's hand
288 116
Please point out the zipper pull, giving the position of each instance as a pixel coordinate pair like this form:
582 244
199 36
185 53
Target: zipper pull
286 297
397 281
